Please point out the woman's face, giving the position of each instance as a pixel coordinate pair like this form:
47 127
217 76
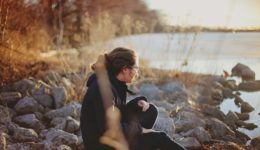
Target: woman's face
129 73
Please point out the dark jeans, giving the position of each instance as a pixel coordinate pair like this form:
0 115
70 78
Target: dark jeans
158 140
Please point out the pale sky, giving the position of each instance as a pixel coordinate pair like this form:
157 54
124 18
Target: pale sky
211 13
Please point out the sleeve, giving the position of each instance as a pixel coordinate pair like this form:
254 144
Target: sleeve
132 105
98 107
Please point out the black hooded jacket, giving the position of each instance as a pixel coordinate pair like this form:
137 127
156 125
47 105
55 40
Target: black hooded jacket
93 121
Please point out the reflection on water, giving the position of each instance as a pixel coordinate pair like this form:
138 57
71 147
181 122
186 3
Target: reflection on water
202 53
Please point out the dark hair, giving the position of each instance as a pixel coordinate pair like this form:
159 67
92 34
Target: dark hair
119 58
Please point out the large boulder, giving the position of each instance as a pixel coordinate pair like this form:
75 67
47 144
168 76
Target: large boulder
59 137
246 107
255 142
243 116
217 95
199 133
218 129
243 71
23 86
41 93
26 105
4 115
231 119
250 86
60 96
164 123
25 146
212 111
67 124
29 121
151 91
189 142
21 134
185 121
72 109
10 98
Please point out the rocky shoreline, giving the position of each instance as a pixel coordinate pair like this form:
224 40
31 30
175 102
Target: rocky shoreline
41 114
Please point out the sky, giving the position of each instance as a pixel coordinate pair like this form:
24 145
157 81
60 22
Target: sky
209 13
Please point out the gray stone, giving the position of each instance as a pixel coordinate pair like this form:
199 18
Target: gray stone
231 119
26 105
255 142
72 125
166 105
10 98
5 115
63 147
189 142
185 121
23 86
29 121
72 109
231 84
21 134
151 91
249 126
246 107
218 129
250 86
228 93
199 133
25 146
59 137
243 71
60 96
238 100
212 111
243 116
173 87
217 95
164 123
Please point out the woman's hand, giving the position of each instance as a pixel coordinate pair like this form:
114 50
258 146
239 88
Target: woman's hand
144 105
147 130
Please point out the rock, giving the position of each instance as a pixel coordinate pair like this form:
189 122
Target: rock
2 141
249 126
41 94
26 105
218 129
217 95
25 146
189 142
21 134
243 71
60 96
29 121
185 121
59 137
58 123
151 91
213 111
250 86
72 109
206 100
255 142
243 116
228 93
246 107
63 147
164 123
72 125
10 98
242 137
231 84
166 105
238 101
173 87
231 119
217 85
5 116
199 133
23 86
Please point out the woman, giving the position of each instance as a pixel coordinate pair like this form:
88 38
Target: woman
138 116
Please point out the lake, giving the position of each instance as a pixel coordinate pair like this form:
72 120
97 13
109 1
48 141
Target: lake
202 53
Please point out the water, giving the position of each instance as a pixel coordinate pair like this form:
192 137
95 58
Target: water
202 53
